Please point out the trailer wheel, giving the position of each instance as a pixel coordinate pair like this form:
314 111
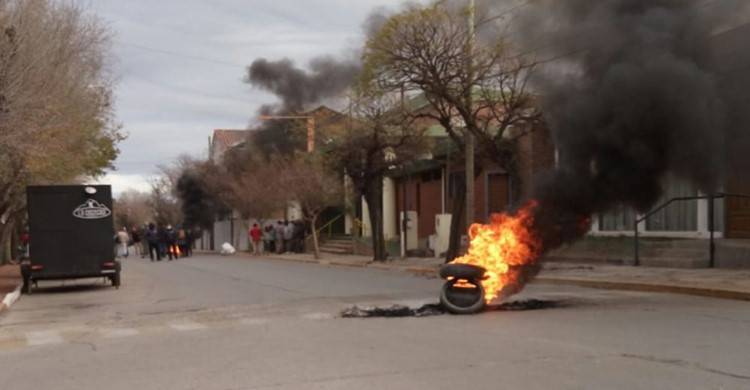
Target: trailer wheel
26 288
115 280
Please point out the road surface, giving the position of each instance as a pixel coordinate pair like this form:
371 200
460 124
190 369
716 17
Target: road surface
233 323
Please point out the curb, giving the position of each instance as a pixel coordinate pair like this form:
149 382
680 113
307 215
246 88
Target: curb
647 287
422 271
10 299
589 283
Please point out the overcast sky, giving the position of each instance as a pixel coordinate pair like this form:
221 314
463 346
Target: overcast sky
180 65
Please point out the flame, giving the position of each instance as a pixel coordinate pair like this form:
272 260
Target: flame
503 247
176 251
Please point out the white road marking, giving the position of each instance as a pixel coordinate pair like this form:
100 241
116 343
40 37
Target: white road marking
186 325
118 332
254 321
43 338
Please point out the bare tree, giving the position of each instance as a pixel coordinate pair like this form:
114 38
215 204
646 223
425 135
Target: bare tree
165 206
305 180
200 188
56 122
249 183
132 208
381 138
472 86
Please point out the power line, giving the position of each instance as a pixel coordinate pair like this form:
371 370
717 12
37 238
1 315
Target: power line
503 13
182 55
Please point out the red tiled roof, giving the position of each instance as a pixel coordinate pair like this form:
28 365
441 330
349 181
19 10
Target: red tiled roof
228 138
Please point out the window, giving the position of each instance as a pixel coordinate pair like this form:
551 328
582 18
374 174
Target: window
621 218
679 216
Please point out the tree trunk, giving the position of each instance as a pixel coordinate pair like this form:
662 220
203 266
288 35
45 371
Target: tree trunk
374 199
316 245
5 244
454 242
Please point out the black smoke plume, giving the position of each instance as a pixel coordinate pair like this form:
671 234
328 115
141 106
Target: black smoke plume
298 88
633 91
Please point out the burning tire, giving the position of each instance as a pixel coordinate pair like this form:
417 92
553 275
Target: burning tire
462 271
462 293
459 297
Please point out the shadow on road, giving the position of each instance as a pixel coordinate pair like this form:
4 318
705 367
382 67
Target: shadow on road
71 288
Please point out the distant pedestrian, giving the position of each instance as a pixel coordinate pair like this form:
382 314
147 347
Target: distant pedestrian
268 239
279 235
288 236
162 231
255 235
182 242
25 240
152 238
170 239
144 241
122 239
299 237
135 240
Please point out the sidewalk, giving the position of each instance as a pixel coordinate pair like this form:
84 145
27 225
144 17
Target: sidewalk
718 283
10 278
420 266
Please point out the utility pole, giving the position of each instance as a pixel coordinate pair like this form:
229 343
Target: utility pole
468 136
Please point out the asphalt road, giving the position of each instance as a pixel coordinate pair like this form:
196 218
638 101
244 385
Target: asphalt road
234 323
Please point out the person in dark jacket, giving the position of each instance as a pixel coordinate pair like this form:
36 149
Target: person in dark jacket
135 240
182 241
162 231
299 237
152 237
170 239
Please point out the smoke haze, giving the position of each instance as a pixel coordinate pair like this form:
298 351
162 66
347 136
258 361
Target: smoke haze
635 92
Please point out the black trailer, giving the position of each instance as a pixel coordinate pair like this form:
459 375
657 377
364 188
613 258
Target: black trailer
71 234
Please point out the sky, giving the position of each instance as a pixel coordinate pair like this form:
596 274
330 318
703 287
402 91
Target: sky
179 66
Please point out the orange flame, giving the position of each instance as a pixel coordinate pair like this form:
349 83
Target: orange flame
503 248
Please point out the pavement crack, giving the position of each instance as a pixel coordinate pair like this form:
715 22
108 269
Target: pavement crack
684 364
78 341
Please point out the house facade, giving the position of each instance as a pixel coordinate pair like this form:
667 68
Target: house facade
690 219
425 191
232 228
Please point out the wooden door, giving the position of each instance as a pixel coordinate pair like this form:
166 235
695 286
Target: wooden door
497 193
738 209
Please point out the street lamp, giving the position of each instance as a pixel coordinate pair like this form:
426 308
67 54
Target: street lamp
310 126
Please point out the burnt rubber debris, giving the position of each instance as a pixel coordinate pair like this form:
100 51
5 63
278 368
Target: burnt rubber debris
436 309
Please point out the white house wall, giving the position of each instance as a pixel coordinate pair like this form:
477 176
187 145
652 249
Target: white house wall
390 222
389 209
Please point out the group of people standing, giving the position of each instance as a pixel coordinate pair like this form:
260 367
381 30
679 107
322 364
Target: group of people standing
279 237
157 242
